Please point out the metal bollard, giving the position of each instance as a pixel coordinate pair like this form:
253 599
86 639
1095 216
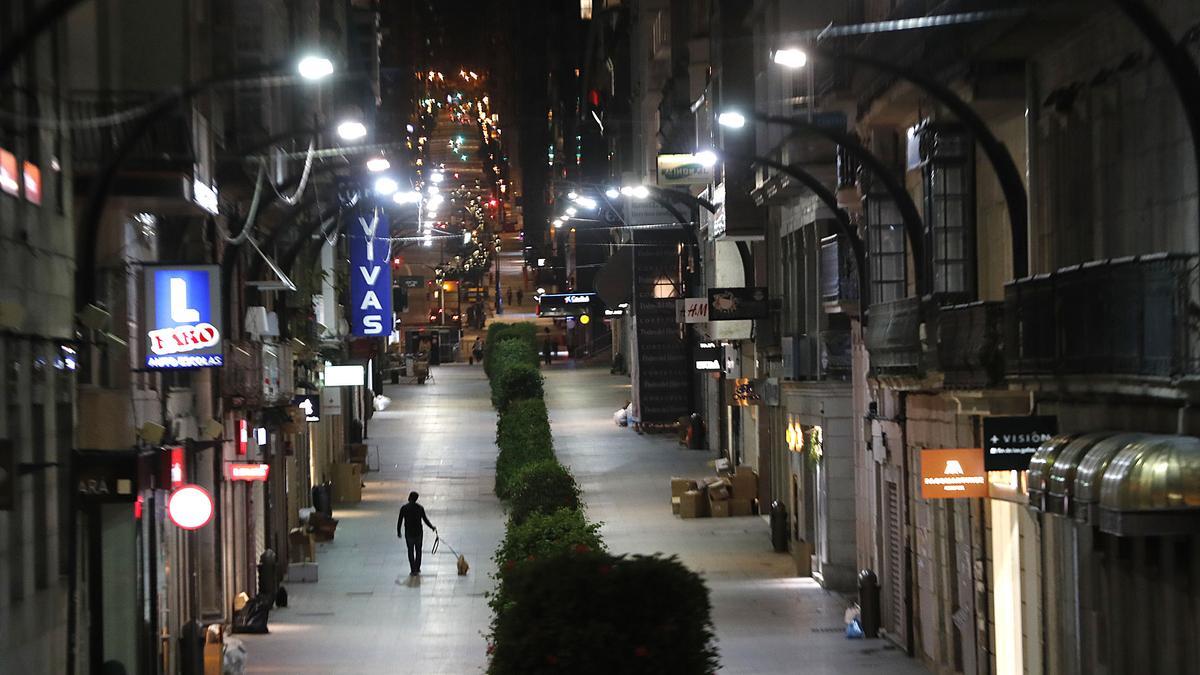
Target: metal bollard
868 603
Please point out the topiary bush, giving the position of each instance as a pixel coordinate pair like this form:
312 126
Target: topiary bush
541 487
542 534
523 436
593 613
524 334
515 381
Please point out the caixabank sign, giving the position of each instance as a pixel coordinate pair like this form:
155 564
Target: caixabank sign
183 316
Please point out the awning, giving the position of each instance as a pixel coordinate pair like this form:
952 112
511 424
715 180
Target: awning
1061 495
1152 488
1039 470
1089 473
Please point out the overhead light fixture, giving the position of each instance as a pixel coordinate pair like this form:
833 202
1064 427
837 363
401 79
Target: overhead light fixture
351 130
792 57
377 164
571 211
641 192
706 157
612 193
314 67
433 189
557 223
587 203
572 195
731 119
627 190
386 185
437 177
408 197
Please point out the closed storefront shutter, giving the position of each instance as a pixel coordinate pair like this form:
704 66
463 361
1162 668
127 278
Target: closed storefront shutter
894 562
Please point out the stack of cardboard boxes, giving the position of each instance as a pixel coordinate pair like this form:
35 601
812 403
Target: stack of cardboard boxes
716 496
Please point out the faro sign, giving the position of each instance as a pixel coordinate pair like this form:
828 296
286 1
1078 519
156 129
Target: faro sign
370 276
183 316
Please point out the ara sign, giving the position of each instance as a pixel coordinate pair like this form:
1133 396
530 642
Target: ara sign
370 276
183 316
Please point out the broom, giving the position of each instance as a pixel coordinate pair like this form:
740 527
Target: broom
463 567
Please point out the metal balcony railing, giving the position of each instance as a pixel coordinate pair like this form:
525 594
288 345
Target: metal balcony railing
970 344
893 337
1131 316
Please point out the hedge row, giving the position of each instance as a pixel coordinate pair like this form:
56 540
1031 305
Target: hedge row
562 603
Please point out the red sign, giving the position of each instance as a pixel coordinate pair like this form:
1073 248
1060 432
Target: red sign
190 507
178 464
8 172
33 183
248 472
243 437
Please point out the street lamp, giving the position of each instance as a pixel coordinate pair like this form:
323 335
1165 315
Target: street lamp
707 158
731 119
314 67
407 197
377 164
612 193
351 130
386 185
790 57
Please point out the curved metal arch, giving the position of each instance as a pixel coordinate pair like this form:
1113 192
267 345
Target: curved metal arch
913 228
996 152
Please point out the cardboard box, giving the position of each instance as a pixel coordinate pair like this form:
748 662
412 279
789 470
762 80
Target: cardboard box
745 484
347 483
300 545
719 509
718 489
304 573
693 505
681 485
740 507
675 505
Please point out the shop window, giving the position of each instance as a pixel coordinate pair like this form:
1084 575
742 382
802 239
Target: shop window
887 257
946 166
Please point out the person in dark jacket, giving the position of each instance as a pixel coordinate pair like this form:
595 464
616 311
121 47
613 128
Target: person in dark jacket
412 515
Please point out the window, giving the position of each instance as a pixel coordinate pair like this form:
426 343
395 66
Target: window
949 211
585 9
887 249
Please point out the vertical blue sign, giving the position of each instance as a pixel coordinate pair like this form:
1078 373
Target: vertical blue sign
370 276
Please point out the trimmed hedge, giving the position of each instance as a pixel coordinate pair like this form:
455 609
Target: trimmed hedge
545 534
524 333
594 613
515 381
542 487
523 436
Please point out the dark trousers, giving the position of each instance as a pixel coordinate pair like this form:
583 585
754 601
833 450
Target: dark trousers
414 553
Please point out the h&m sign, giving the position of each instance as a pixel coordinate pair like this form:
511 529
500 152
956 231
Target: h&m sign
370 276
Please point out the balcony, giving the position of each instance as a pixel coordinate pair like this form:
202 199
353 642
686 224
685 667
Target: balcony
893 337
839 276
1125 317
970 350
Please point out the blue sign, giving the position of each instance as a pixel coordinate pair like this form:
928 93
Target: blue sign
370 276
183 317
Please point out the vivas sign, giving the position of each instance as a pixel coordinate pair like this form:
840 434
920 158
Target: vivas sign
370 276
183 316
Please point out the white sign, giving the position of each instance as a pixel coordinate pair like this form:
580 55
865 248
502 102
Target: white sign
691 310
205 196
684 170
345 376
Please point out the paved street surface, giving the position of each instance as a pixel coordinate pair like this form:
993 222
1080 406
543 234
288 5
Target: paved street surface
366 615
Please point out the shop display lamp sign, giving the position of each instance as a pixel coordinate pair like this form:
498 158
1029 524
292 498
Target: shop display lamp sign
1009 442
953 473
183 317
190 507
310 405
732 304
248 472
370 276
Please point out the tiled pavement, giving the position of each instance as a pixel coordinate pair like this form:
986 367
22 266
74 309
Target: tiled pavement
365 615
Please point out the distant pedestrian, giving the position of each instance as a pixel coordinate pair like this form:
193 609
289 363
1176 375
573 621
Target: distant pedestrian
520 297
412 515
547 346
508 297
477 351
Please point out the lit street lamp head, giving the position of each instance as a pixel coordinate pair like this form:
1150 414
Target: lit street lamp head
385 185
731 119
409 197
377 164
314 67
612 193
351 130
641 192
791 57
707 157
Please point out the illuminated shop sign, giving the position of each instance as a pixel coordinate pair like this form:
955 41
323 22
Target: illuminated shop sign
190 507
568 304
708 356
183 317
1009 442
248 472
953 473
310 405
370 276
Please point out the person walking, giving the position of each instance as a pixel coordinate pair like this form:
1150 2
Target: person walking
520 297
547 346
412 515
477 351
508 298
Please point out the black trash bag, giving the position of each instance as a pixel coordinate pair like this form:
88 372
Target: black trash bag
281 597
253 617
